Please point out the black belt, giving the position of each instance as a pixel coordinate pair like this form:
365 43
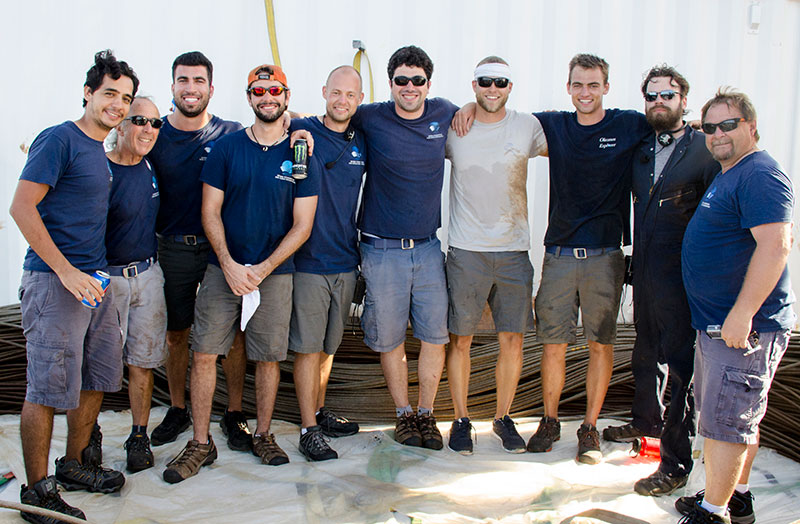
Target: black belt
579 252
189 240
131 270
395 243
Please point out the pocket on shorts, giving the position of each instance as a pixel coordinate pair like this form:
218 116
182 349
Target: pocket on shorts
742 401
47 367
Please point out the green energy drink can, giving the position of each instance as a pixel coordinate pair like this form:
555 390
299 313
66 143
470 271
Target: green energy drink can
300 165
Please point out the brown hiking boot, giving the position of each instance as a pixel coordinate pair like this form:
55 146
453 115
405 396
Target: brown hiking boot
190 460
588 445
265 447
549 431
431 437
406 431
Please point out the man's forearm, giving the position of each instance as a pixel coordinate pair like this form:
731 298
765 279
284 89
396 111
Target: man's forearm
295 238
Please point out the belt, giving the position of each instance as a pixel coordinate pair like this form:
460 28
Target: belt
579 252
131 270
395 243
189 240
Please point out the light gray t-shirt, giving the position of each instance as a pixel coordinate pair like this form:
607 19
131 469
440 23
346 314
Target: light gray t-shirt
488 183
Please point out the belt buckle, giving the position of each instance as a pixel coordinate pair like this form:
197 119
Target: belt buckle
579 252
190 240
409 245
126 271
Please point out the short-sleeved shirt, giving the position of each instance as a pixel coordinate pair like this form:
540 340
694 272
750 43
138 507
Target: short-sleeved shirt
74 209
718 244
257 209
333 244
488 183
403 190
590 176
178 158
132 210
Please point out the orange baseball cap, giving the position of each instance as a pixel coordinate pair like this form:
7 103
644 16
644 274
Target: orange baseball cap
267 72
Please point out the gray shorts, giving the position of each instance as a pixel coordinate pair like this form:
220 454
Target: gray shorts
143 317
592 284
70 347
218 312
504 279
731 385
320 307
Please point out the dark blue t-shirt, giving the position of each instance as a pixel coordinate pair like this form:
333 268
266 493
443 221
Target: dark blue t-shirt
718 245
257 211
131 233
403 190
178 158
74 209
590 176
333 245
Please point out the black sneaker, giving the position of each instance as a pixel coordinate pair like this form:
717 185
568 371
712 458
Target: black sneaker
93 453
44 494
699 515
314 445
431 436
406 431
333 425
549 431
176 421
505 429
588 445
90 477
460 439
659 483
140 456
624 433
740 507
234 426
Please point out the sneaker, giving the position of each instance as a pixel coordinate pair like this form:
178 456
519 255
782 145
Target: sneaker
624 433
699 515
505 429
73 475
314 445
460 439
549 431
93 453
659 483
333 425
190 460
140 456
588 445
176 421
44 494
265 447
740 507
234 426
431 437
406 431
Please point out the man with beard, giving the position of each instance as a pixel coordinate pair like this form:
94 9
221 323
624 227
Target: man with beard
671 171
188 136
489 239
255 215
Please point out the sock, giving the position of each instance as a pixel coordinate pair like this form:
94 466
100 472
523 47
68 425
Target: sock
317 413
423 411
403 411
711 508
742 488
139 429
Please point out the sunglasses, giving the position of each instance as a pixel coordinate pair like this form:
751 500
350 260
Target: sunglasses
725 126
485 81
272 90
418 80
669 94
139 120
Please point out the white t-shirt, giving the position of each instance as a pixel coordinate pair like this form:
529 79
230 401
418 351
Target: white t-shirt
488 183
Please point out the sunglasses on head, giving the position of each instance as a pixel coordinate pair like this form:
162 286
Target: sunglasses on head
272 90
668 94
486 81
725 126
418 80
139 120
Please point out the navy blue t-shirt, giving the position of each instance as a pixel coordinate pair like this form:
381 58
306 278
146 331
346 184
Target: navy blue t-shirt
590 176
333 245
178 158
132 210
718 245
257 211
74 209
403 190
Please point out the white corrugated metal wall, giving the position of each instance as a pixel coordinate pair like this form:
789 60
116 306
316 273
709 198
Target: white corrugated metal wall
47 45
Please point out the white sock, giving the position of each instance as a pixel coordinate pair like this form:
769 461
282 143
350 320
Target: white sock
711 508
742 488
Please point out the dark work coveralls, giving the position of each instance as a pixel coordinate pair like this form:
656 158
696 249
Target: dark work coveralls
664 336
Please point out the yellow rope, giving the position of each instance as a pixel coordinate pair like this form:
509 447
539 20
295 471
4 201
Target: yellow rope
362 50
273 36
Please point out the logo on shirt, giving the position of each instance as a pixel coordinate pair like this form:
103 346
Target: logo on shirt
708 196
605 143
356 160
155 187
355 153
286 172
207 149
433 127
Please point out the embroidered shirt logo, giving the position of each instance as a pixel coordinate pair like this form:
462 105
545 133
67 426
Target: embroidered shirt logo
605 143
286 172
433 127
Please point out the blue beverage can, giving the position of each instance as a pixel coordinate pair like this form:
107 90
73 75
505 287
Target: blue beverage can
104 279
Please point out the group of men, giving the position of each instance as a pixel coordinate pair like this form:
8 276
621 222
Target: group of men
259 261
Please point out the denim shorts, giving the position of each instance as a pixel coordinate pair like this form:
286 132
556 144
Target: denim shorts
70 347
504 279
731 385
143 317
320 307
403 283
184 267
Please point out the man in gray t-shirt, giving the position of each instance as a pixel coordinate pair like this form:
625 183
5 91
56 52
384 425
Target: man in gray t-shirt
489 239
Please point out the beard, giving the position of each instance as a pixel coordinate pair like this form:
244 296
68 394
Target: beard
664 121
487 106
202 104
269 118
